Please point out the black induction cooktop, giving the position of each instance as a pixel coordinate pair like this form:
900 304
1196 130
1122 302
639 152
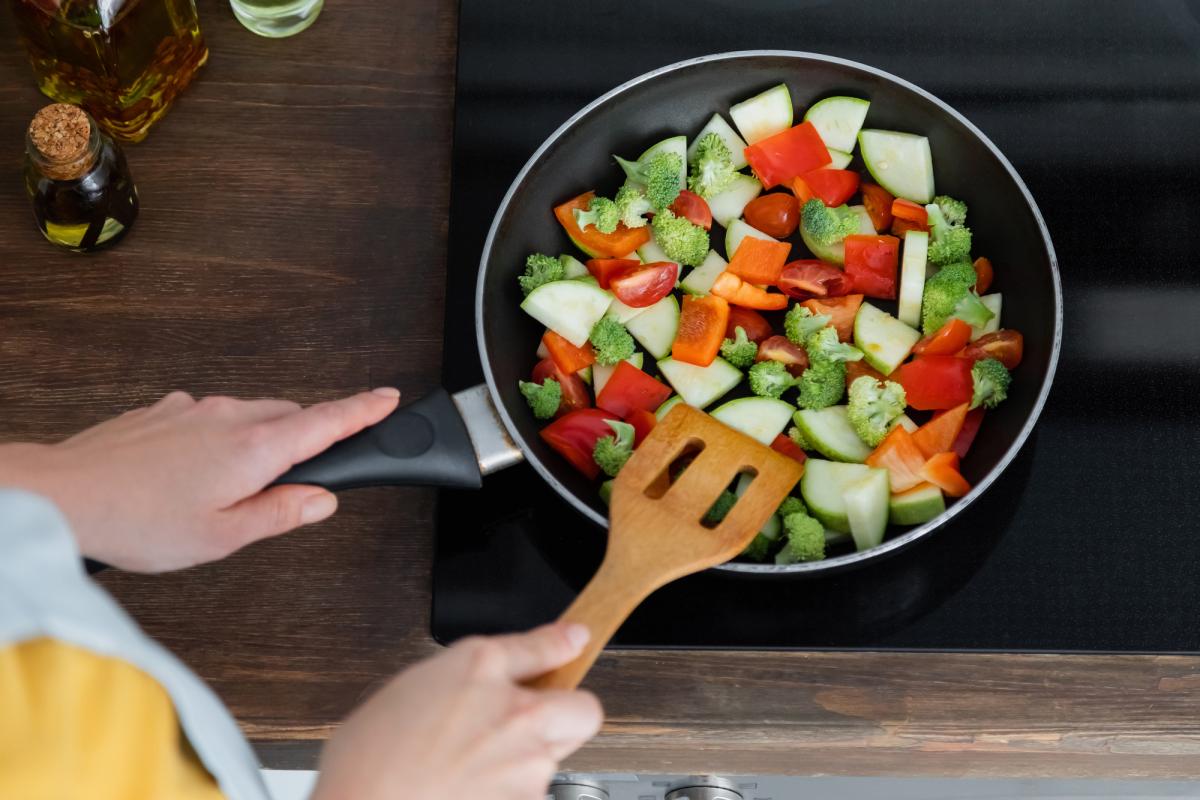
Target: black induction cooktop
1090 541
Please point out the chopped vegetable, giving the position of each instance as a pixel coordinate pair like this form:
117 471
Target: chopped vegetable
540 269
873 407
871 264
776 214
908 210
740 350
712 166
701 329
543 398
618 244
939 434
786 155
807 278
804 540
797 436
840 310
935 382
611 452
574 437
800 322
611 342
990 380
1006 346
630 388
643 423
947 340
770 379
759 260
601 212
791 505
823 345
826 225
741 293
822 385
575 394
682 241
756 325
833 187
984 274
720 508
901 457
632 206
784 444
878 202
951 293
942 472
693 208
779 348
567 357
659 174
605 270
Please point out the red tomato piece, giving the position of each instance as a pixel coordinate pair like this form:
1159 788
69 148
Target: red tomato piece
841 311
833 186
946 340
630 388
913 212
809 278
871 264
788 154
1006 346
934 382
966 436
691 205
903 226
569 358
617 244
646 286
781 349
574 437
753 323
643 422
776 214
605 270
878 202
984 274
575 394
784 444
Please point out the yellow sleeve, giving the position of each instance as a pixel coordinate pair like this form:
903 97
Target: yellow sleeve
74 724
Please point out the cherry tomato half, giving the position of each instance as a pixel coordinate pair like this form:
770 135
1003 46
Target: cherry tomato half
781 349
691 205
812 278
574 436
1006 346
575 394
878 202
646 286
984 274
753 323
776 214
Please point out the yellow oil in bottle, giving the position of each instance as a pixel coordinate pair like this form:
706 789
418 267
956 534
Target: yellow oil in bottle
124 61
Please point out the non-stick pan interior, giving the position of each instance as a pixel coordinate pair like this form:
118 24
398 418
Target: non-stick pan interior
680 99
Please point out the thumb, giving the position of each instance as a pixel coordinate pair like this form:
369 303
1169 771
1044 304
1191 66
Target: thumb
278 510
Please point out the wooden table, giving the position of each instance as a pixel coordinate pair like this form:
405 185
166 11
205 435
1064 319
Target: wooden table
292 243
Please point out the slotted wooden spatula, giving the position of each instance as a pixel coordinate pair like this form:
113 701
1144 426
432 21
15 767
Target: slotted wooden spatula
655 530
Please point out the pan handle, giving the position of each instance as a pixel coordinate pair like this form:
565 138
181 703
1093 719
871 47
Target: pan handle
425 443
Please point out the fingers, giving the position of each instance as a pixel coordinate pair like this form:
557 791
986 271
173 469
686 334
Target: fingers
562 720
277 510
528 655
312 430
263 410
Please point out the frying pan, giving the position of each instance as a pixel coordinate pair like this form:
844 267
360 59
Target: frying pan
454 441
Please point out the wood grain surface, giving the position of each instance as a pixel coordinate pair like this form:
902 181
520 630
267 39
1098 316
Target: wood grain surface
291 243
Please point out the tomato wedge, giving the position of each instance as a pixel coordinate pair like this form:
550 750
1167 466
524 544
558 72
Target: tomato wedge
878 202
1006 346
617 244
913 212
569 358
942 471
702 323
776 214
903 226
759 261
604 270
646 286
643 422
781 349
832 186
967 435
841 311
753 323
984 274
574 437
856 369
871 264
901 457
779 158
784 444
693 206
938 435
933 382
629 388
808 278
946 340
574 391
740 293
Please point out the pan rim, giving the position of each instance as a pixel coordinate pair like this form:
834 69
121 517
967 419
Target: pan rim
838 563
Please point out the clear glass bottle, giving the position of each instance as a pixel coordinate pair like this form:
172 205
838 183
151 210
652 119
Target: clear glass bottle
124 61
277 18
78 181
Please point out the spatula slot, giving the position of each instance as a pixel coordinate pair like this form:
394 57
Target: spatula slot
721 507
675 468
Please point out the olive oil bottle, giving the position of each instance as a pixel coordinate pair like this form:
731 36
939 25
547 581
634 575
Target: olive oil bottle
124 61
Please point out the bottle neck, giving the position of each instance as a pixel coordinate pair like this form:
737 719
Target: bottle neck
69 167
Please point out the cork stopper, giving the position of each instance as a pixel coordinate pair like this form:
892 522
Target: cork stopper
61 134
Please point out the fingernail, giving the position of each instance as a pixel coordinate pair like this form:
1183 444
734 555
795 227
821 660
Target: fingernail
386 391
317 508
578 635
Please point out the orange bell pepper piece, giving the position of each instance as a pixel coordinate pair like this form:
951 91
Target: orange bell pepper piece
946 340
567 357
617 244
901 457
938 435
841 311
759 261
913 212
702 324
747 295
942 471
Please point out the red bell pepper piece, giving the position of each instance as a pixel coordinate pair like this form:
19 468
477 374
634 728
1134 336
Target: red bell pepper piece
788 154
629 388
871 264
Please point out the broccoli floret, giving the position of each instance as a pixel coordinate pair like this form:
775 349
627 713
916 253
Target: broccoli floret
612 342
950 293
874 406
805 540
954 211
822 385
759 548
632 205
602 213
824 346
659 174
800 322
682 241
770 379
796 435
991 381
720 507
611 452
953 245
950 240
791 505
540 269
826 225
712 169
544 398
739 351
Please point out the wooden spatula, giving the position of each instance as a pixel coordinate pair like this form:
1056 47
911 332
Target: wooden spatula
655 532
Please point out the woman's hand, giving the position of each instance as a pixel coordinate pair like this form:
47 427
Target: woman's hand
459 725
183 481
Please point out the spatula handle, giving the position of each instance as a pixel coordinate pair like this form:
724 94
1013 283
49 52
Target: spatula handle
602 606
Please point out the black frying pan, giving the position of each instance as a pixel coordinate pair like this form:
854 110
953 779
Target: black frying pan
446 441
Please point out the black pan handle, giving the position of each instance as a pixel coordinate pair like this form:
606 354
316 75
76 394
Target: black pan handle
422 444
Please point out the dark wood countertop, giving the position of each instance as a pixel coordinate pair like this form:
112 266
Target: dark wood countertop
292 243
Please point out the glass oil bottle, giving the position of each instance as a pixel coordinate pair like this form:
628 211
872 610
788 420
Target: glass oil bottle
77 179
124 61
